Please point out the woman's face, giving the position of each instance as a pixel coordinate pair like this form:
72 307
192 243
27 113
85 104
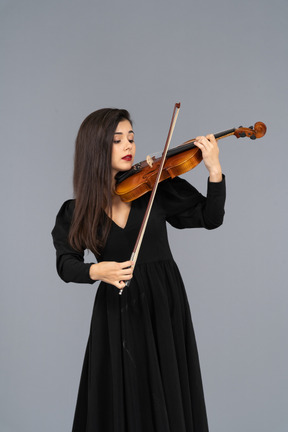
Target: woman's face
123 149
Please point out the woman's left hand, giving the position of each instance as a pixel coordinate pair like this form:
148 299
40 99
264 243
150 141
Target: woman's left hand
210 153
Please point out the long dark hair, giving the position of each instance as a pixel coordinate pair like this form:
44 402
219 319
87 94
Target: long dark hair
92 179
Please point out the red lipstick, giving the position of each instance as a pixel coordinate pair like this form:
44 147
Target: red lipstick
127 158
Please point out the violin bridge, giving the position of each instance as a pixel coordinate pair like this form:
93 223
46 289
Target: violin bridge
149 161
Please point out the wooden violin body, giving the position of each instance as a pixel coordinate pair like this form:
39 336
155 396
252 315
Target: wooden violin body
141 178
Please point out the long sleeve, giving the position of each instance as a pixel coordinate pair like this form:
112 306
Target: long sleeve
185 207
69 262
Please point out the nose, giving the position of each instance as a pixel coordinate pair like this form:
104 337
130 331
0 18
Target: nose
128 144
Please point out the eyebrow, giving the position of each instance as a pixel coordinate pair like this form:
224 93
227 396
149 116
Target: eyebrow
121 133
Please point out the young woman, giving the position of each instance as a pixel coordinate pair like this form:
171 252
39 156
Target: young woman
141 370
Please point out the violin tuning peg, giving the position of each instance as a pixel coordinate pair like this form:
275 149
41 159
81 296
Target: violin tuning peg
242 134
253 137
240 127
251 127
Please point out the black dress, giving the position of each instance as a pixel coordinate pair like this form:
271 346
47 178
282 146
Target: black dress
141 370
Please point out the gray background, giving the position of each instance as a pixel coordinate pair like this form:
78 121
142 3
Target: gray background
226 62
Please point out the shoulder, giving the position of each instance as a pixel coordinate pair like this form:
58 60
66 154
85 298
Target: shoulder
66 211
176 187
68 205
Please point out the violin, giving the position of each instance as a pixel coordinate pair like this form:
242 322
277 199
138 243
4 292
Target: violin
140 179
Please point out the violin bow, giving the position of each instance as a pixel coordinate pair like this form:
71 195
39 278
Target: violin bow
141 233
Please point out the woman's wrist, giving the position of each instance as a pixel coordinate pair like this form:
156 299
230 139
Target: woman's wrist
93 272
215 174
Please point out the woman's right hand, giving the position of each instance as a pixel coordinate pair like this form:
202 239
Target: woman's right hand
111 272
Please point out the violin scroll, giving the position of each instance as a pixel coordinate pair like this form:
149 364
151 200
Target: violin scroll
258 131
